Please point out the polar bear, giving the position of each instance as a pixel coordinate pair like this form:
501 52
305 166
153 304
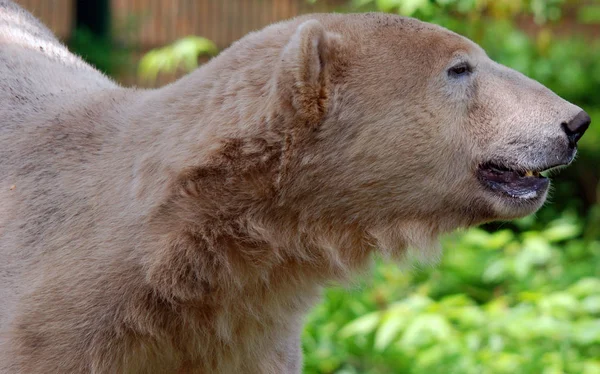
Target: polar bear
190 228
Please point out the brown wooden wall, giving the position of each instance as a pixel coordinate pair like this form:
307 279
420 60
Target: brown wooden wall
58 15
154 23
222 21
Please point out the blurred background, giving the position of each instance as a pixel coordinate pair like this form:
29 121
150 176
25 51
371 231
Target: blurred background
513 297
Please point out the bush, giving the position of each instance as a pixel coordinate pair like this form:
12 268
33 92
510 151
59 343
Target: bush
501 302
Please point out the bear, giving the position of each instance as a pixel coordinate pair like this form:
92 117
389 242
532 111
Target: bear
190 228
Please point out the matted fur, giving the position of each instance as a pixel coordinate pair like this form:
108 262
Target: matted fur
190 228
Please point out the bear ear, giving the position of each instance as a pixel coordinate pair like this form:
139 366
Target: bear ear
303 74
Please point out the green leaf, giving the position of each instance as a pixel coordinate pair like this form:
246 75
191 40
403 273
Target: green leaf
454 301
393 322
591 304
495 272
591 367
585 287
562 231
537 250
560 304
362 325
589 14
477 238
387 5
499 239
426 329
410 7
587 332
184 53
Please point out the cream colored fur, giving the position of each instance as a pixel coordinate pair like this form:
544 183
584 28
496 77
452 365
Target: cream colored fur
190 228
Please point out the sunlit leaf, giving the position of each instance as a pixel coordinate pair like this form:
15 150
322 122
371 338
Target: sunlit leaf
585 287
362 325
496 271
392 324
562 232
591 304
425 329
387 5
409 7
587 332
183 54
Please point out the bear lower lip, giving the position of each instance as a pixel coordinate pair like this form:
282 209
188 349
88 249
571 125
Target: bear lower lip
512 183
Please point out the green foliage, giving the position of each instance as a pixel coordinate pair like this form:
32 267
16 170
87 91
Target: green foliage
501 302
99 51
183 54
110 52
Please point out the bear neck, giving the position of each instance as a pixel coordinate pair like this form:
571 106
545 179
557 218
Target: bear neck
222 237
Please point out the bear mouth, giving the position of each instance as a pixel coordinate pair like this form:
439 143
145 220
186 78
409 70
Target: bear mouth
516 183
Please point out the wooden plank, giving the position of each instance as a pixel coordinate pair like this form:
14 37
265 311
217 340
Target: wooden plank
56 14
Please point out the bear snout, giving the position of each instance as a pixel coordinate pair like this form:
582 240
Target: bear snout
576 127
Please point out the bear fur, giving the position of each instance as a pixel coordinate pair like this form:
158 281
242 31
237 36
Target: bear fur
190 228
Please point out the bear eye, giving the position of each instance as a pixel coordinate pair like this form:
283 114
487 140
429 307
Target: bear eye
460 70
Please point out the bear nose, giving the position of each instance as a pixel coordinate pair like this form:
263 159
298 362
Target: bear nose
577 126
